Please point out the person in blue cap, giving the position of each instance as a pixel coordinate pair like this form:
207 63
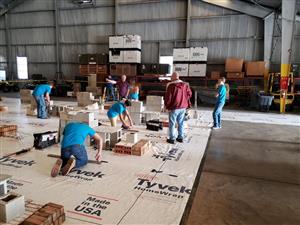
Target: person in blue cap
41 94
119 109
73 152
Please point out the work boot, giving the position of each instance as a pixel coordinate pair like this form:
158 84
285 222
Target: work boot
68 167
179 139
170 141
56 168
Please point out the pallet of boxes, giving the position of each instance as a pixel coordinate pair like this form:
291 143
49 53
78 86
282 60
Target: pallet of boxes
95 67
234 68
190 61
124 54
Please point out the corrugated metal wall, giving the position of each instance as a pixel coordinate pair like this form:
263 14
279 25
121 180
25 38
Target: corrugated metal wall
162 26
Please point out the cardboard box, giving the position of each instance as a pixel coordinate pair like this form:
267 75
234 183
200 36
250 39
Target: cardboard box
234 65
116 56
197 70
129 69
132 56
198 54
83 69
102 69
132 41
182 69
255 68
233 75
215 75
181 54
116 41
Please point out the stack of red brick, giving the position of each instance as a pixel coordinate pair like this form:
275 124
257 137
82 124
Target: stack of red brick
8 130
49 214
139 148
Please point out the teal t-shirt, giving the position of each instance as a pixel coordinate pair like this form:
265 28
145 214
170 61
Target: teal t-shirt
75 134
116 109
222 94
41 89
134 96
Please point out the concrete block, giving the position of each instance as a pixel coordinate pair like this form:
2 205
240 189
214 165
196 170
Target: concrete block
132 137
3 184
154 100
11 206
136 106
136 118
151 115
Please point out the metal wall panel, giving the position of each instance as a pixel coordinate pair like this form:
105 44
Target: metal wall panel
161 30
70 52
94 34
2 22
40 53
166 48
70 70
33 36
2 54
2 37
170 9
48 70
203 9
227 27
150 53
32 19
29 5
85 16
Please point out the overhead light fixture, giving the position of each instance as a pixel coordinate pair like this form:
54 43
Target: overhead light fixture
84 2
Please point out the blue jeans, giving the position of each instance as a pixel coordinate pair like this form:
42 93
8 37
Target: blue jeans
41 106
78 151
176 115
111 94
217 114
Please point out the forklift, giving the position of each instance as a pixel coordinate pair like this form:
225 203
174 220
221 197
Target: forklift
274 89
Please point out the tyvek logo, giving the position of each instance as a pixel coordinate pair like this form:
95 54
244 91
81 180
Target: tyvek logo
8 161
162 189
173 154
85 175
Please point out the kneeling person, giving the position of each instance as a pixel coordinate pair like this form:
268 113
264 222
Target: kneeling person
119 109
73 145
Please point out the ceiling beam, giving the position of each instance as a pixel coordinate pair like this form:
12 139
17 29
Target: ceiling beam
243 7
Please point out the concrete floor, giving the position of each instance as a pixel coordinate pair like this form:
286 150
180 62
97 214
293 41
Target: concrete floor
251 176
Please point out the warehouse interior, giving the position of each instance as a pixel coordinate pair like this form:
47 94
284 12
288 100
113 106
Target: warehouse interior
245 171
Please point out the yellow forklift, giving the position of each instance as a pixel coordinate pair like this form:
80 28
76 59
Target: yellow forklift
274 89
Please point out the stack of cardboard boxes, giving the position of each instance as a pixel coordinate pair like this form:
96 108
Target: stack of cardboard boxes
93 63
124 54
234 68
190 61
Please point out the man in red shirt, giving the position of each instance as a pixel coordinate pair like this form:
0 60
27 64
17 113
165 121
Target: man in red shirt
177 100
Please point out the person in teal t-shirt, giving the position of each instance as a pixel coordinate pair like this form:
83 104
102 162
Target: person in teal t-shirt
72 144
41 94
221 98
119 109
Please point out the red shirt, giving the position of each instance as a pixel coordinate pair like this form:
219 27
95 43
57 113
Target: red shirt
178 95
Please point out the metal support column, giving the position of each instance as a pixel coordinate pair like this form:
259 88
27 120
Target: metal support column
269 22
57 44
288 21
8 48
116 16
188 23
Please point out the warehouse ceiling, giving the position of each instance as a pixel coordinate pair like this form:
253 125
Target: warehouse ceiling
6 5
272 4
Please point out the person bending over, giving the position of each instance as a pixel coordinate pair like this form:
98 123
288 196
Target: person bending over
119 109
73 152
